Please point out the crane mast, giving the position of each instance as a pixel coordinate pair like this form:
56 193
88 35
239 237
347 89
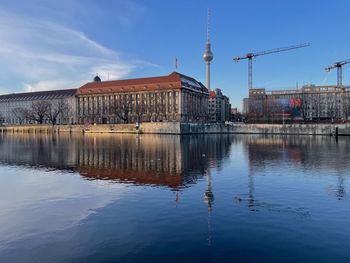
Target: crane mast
339 66
250 57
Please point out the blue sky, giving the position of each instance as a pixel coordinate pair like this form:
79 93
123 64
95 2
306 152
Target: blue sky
62 44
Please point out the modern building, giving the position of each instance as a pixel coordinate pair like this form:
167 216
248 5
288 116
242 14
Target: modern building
309 103
245 106
15 108
219 107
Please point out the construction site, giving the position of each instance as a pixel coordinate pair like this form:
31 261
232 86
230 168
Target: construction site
307 104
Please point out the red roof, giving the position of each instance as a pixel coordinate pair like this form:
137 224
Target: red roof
173 81
212 94
173 180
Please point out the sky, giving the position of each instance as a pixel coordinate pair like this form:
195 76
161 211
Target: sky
47 45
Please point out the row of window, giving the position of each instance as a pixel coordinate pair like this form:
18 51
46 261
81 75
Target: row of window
134 103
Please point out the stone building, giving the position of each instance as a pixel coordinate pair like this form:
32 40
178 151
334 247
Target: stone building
13 107
175 97
219 107
309 103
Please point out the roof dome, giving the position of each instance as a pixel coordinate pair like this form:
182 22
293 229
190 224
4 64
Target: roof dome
97 79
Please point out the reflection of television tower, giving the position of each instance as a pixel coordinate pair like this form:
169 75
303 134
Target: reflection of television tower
208 55
209 198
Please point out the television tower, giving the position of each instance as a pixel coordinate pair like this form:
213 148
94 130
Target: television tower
208 55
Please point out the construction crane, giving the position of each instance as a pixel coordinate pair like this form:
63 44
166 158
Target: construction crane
250 57
339 66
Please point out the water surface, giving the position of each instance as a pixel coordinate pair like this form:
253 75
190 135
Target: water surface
152 198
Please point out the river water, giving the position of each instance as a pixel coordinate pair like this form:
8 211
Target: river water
153 198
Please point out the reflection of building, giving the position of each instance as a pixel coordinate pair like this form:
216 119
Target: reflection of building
307 152
172 161
219 107
308 103
175 97
13 106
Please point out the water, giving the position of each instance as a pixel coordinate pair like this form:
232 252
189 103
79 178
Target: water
148 198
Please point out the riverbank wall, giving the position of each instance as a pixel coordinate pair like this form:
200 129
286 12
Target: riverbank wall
186 128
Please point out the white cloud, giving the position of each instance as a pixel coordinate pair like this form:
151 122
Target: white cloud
42 55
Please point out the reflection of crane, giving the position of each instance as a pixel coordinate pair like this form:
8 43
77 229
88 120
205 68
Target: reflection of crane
340 192
339 66
250 57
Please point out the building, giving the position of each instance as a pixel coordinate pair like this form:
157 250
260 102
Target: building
236 115
309 103
219 107
245 106
174 97
17 108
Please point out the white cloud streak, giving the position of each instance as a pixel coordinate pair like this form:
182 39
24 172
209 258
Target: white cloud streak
42 55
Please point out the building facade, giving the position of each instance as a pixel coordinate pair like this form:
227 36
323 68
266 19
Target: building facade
219 107
17 108
175 97
309 103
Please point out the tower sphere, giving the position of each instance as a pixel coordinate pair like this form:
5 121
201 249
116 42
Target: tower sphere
208 55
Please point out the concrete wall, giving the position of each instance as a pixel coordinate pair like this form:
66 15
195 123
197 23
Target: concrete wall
150 127
187 128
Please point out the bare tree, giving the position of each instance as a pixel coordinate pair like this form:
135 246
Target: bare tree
55 109
2 118
305 106
256 110
20 114
274 109
346 106
39 111
65 111
317 105
122 106
160 107
140 108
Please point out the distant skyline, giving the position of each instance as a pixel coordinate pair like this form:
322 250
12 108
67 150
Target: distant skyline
63 44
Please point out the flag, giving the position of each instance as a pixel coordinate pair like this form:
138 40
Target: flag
176 63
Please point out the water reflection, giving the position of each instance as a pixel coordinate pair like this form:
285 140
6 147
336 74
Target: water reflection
322 153
171 161
238 193
174 161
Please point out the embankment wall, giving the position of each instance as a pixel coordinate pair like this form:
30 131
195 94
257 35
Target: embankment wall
187 128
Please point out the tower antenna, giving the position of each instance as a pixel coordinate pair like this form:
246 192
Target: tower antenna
208 25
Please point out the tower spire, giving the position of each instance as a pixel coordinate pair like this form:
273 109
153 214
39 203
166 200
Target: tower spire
208 25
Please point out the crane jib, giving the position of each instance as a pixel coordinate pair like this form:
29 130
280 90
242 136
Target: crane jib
249 56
